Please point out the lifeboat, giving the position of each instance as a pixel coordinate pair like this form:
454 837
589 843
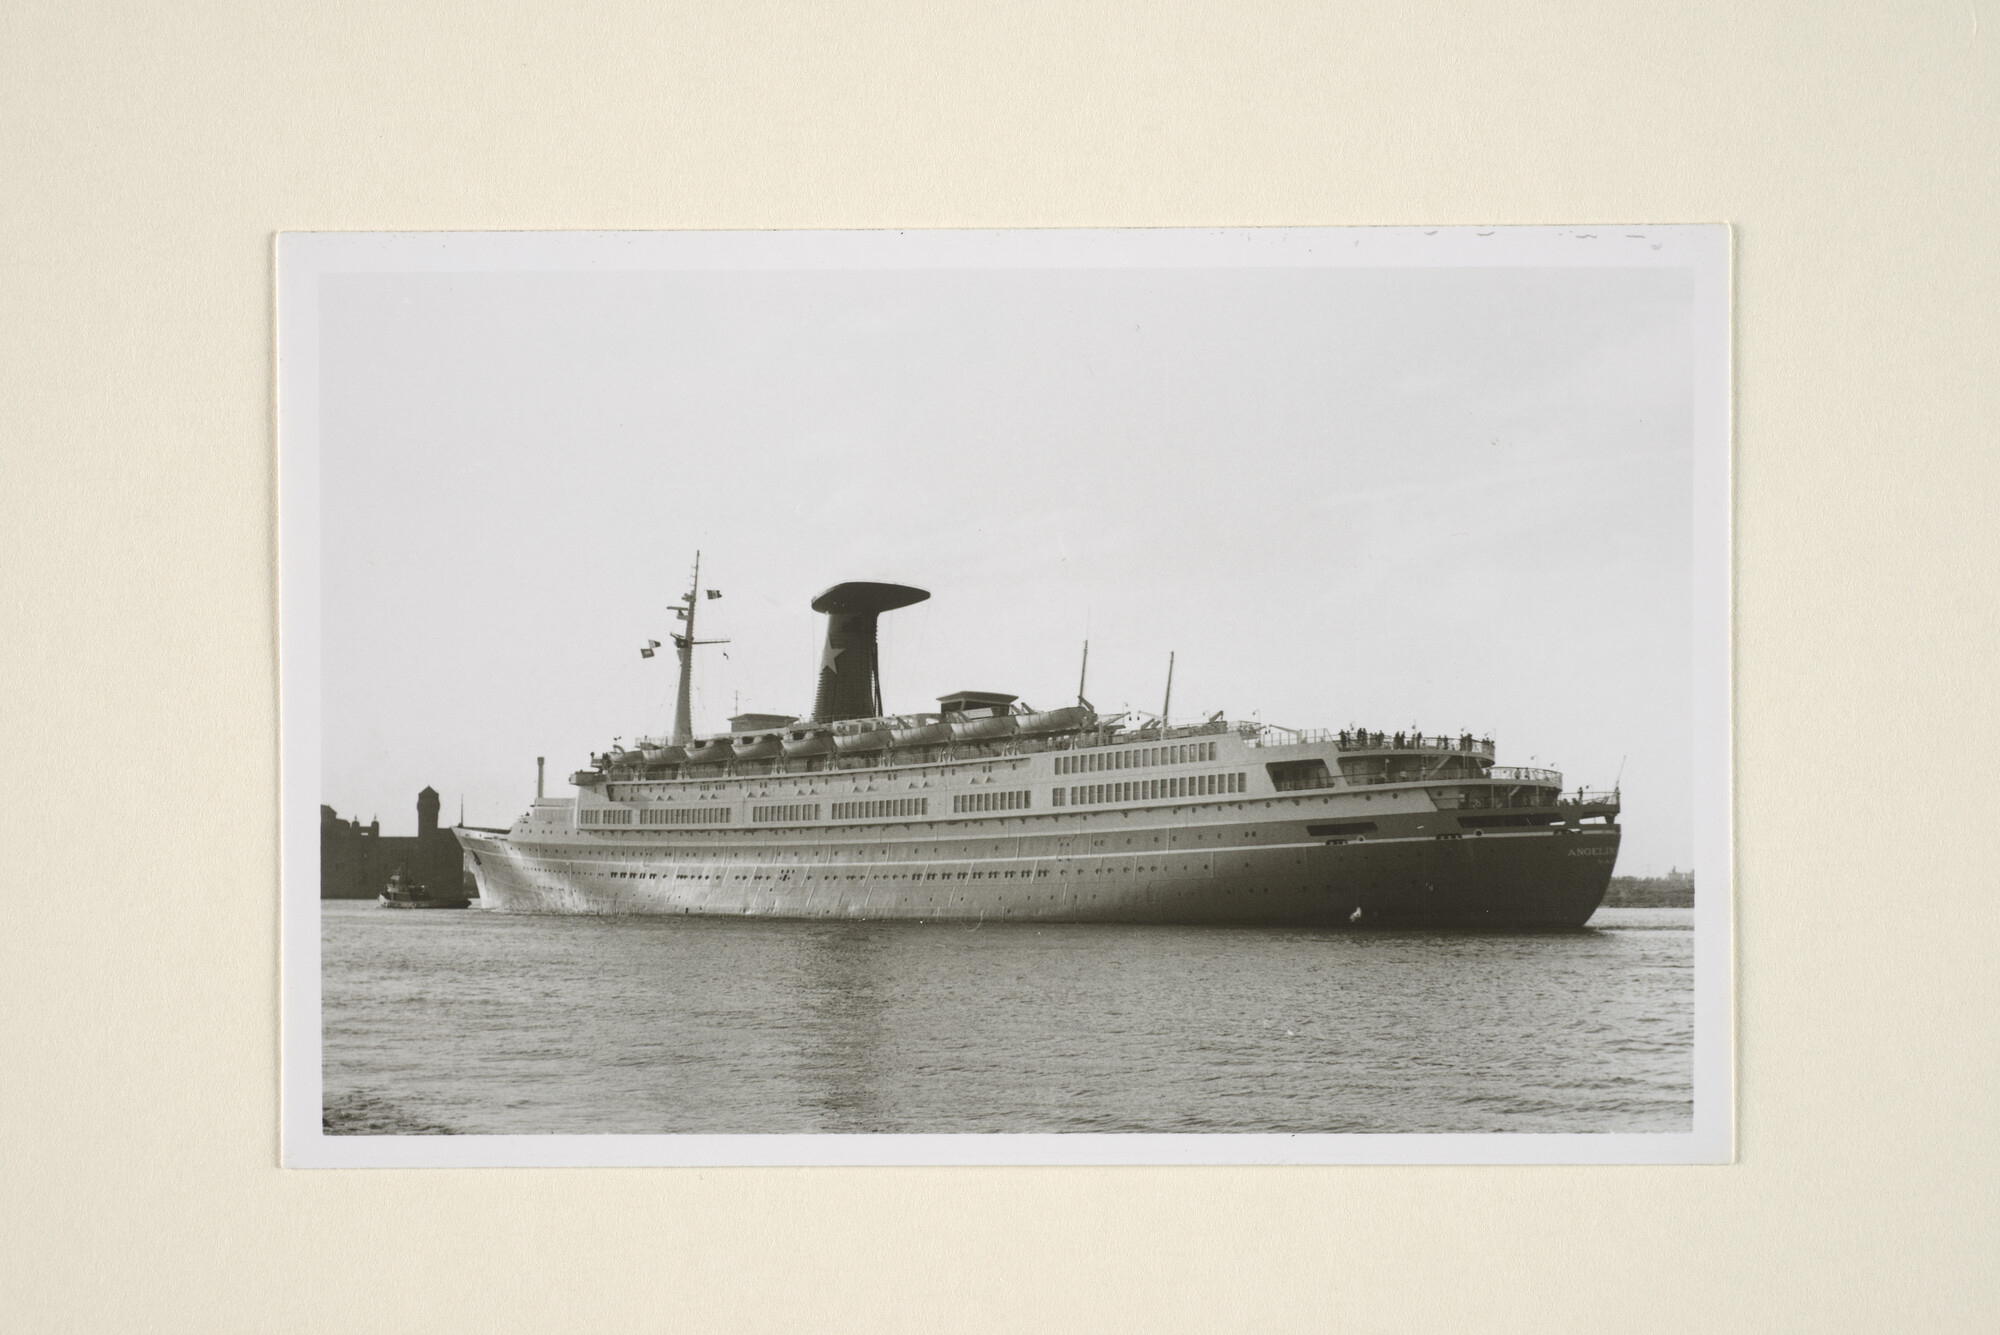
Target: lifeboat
586 778
807 742
983 727
757 746
710 751
856 735
920 730
1075 718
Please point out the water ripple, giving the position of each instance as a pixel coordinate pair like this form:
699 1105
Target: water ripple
488 1023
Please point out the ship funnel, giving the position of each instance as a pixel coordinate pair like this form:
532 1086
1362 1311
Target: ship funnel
849 679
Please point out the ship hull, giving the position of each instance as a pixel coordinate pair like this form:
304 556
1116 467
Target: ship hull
1245 872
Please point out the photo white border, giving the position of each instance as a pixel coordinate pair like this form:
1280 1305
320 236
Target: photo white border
303 257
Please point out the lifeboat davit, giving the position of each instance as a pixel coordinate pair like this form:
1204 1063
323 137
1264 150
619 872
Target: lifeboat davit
983 727
710 751
1074 718
920 730
807 742
757 746
867 734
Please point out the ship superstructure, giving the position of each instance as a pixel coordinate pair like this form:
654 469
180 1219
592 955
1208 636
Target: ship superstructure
988 809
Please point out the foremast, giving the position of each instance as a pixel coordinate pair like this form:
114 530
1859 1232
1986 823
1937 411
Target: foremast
684 646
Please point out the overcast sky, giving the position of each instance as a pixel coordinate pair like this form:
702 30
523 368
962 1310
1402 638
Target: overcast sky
1457 498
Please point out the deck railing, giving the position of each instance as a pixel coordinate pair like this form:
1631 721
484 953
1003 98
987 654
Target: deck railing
1501 774
1361 739
1494 799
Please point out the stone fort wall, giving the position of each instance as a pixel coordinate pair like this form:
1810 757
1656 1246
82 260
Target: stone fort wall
356 860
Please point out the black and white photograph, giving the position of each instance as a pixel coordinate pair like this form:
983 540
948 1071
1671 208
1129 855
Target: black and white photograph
1172 696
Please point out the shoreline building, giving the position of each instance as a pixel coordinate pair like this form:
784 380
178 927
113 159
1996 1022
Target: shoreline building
356 860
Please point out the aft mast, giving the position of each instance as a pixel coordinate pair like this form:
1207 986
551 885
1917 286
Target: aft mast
684 644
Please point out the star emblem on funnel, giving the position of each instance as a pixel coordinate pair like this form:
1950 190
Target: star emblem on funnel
826 662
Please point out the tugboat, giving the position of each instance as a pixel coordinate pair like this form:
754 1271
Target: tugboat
406 892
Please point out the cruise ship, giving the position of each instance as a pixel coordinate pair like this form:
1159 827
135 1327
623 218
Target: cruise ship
987 810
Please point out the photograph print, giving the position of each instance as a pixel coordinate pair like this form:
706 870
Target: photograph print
1005 697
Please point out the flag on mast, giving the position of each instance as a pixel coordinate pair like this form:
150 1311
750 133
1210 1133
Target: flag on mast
715 593
647 652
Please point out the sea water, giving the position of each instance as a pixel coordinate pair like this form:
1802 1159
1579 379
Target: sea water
482 1022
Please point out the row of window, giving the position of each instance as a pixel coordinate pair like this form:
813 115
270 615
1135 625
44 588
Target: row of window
991 802
797 811
1140 790
687 816
1148 790
655 816
1187 753
895 806
655 793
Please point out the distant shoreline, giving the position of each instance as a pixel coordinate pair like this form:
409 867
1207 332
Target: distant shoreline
1650 892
